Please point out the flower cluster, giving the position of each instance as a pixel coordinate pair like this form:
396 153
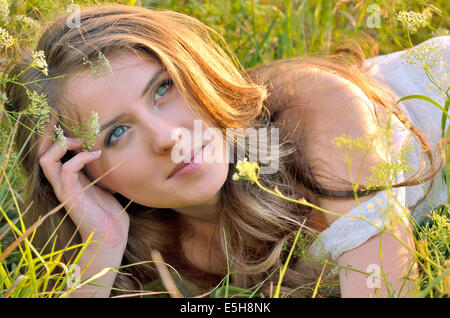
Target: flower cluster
387 172
350 143
6 40
246 170
40 62
414 20
89 131
38 107
27 21
100 66
4 10
93 131
59 135
426 54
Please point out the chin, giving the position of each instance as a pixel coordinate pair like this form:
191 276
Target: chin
207 191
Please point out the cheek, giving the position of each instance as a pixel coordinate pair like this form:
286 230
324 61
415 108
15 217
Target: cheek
122 174
133 182
222 173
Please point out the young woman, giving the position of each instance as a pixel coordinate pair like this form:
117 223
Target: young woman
168 70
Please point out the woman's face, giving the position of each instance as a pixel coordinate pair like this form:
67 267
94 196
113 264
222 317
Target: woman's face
141 136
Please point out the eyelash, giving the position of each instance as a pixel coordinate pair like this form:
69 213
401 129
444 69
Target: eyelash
168 82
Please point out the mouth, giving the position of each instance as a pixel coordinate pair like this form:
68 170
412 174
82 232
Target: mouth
182 164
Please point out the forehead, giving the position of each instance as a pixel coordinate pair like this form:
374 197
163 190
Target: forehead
107 93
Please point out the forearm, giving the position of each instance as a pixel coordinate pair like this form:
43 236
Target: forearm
93 262
385 257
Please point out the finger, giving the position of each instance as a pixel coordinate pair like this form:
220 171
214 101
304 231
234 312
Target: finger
50 161
76 164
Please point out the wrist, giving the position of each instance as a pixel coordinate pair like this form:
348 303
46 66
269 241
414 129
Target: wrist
106 246
104 242
99 256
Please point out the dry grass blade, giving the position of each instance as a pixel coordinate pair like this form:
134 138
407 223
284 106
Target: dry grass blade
166 278
319 279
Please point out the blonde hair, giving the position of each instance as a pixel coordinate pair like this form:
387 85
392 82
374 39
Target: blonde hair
257 227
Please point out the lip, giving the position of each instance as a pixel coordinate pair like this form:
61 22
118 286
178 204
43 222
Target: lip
182 164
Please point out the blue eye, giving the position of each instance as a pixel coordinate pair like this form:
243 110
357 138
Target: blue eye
162 89
114 132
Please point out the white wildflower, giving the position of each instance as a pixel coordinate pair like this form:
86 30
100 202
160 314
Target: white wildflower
101 65
40 62
38 107
30 22
426 54
94 124
60 136
4 10
414 20
6 40
89 132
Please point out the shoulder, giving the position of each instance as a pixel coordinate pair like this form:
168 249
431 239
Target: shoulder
329 106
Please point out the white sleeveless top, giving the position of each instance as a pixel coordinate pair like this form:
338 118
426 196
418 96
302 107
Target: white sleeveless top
404 79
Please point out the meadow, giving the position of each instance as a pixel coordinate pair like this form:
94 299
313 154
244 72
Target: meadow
258 32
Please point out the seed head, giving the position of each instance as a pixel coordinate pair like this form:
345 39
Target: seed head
247 170
426 54
38 107
6 40
414 20
59 135
89 131
4 10
40 62
101 65
27 21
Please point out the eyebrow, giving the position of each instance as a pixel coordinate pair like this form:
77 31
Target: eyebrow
146 88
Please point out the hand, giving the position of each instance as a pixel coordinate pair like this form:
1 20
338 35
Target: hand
94 209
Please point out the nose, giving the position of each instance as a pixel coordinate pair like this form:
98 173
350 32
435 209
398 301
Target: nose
161 135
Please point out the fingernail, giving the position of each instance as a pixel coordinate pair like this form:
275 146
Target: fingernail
98 152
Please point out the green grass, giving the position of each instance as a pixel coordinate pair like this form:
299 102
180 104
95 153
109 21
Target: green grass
258 32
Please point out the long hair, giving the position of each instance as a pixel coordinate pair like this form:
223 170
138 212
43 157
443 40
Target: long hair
347 61
255 228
